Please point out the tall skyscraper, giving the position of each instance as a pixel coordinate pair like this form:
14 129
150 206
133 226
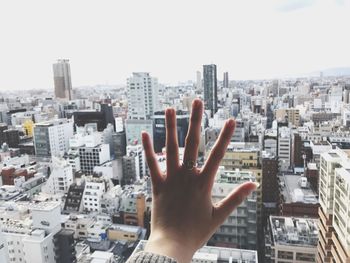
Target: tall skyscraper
210 88
62 79
142 93
225 84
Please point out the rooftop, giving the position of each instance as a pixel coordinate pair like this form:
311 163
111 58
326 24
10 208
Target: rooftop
296 188
294 231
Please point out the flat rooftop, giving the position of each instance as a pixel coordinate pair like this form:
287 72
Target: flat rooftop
294 191
294 231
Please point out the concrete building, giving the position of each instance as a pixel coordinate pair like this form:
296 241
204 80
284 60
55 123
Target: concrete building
93 153
61 176
210 89
291 239
240 228
33 240
95 187
62 79
334 242
297 198
142 93
51 138
284 148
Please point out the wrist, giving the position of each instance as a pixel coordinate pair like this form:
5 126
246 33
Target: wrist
170 247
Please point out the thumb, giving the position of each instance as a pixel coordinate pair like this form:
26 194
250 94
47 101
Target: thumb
224 208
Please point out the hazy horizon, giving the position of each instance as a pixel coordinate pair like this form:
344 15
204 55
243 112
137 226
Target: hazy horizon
108 40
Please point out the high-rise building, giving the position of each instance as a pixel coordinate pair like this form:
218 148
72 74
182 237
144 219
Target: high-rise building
226 80
210 88
284 148
142 93
52 137
62 79
334 194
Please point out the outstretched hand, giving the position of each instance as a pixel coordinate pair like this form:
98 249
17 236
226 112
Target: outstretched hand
183 215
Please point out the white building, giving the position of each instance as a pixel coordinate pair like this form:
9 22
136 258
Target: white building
142 93
32 240
284 148
51 138
61 176
93 192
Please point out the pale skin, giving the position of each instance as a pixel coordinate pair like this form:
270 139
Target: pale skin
183 214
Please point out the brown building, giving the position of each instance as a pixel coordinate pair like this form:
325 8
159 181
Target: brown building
270 196
8 175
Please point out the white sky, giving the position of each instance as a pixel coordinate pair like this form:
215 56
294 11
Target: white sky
107 40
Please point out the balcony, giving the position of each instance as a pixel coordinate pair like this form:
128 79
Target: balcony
338 252
326 222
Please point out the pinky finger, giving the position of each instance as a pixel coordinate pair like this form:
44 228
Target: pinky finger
156 174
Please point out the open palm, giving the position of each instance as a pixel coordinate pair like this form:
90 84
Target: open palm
183 215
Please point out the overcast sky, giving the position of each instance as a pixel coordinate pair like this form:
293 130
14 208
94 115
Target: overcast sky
107 40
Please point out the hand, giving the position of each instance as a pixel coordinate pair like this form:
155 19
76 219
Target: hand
183 215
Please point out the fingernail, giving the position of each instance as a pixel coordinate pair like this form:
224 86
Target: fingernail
257 185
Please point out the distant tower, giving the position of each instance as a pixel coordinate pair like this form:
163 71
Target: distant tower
199 80
210 88
62 79
225 84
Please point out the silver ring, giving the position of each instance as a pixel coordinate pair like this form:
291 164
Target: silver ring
189 164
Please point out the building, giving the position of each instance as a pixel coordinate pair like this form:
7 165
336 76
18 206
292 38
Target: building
95 187
142 93
270 186
209 254
240 228
10 174
297 198
334 188
12 137
32 240
74 198
199 80
210 89
101 117
246 157
51 138
225 81
62 79
134 128
92 155
61 176
64 246
182 122
134 164
291 239
284 148
290 115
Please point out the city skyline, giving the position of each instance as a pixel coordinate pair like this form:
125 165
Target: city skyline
251 40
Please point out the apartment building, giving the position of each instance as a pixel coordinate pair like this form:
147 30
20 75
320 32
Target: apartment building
334 190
